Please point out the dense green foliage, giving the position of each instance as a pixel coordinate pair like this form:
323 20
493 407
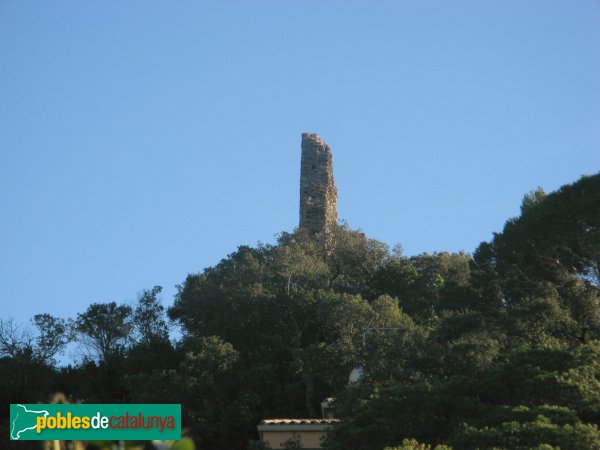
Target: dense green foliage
499 349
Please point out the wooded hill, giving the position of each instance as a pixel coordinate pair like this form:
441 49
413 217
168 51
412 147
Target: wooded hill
498 349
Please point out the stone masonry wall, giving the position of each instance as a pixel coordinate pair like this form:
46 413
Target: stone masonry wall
318 194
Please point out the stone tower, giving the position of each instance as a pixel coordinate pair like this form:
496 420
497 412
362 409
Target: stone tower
318 194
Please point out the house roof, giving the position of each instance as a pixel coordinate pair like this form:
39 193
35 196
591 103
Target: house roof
296 424
299 421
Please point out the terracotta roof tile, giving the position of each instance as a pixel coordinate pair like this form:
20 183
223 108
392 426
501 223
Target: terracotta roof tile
299 421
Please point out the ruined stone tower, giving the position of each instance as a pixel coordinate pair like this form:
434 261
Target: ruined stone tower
318 194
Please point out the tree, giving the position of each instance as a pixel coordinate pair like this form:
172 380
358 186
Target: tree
426 284
412 444
532 198
550 254
293 442
557 235
148 319
15 341
53 335
539 432
545 395
498 350
210 384
105 328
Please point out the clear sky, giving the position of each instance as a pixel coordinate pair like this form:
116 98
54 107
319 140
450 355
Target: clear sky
144 140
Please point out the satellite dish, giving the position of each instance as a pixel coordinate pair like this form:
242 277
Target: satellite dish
356 375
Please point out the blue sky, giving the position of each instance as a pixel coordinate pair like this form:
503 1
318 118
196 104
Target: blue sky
142 140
